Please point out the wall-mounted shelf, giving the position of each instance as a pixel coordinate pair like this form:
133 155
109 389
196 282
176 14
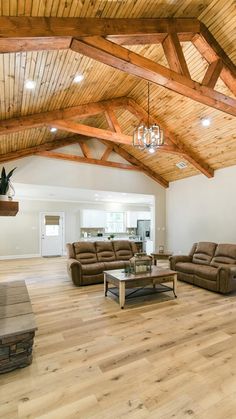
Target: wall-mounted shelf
9 208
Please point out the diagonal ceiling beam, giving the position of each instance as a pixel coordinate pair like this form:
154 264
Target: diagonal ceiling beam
212 74
174 54
85 148
107 153
30 151
212 51
92 132
121 58
8 126
79 159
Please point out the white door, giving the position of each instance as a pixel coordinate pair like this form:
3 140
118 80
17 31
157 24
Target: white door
52 233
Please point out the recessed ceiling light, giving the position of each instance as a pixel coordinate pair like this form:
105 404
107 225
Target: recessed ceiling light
96 194
206 122
124 193
30 84
78 78
53 129
151 150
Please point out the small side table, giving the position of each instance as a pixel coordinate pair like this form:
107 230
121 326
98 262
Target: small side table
160 256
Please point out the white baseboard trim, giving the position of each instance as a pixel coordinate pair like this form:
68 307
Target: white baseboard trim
27 256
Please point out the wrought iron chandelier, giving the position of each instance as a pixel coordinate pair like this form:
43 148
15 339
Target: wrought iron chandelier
146 136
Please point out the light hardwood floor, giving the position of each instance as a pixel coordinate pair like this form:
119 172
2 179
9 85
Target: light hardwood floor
159 358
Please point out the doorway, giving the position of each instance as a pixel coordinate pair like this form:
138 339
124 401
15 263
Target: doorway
52 233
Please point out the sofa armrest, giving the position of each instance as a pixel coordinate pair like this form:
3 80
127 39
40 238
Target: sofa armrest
227 278
179 258
74 270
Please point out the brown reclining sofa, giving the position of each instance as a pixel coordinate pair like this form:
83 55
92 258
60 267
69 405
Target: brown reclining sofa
208 265
88 260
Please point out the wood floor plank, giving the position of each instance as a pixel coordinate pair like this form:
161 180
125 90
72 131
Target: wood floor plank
158 358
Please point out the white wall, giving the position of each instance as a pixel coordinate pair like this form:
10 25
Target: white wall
201 209
20 234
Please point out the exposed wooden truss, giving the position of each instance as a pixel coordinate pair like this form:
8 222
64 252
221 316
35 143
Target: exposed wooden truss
121 58
34 33
102 39
114 135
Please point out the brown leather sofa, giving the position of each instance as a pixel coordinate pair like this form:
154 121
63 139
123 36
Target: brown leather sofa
87 260
208 265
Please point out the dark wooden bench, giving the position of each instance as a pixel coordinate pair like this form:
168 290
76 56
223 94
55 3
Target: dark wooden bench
17 326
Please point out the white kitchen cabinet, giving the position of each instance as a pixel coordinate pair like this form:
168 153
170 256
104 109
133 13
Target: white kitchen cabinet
133 216
93 218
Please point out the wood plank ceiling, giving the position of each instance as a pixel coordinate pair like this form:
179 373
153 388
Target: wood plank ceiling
211 148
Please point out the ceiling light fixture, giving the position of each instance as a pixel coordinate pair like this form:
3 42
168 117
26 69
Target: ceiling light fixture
146 136
53 129
206 122
78 78
30 84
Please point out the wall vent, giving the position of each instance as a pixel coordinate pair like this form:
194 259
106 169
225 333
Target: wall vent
181 165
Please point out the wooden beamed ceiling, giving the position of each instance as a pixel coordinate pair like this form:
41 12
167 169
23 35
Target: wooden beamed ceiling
114 135
103 40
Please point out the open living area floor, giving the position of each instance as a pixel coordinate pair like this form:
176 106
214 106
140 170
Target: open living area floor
159 358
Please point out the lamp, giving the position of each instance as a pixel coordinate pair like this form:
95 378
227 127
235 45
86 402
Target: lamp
146 136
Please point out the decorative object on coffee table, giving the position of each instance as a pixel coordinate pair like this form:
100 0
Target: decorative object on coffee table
17 326
161 249
141 262
122 281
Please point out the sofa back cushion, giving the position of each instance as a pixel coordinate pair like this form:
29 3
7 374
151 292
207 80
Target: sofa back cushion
225 254
204 253
105 251
85 252
123 249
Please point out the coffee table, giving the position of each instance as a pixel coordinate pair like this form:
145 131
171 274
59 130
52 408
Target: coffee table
122 281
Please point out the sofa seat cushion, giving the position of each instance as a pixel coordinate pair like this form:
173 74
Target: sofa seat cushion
225 254
93 268
118 264
204 253
105 251
186 267
85 252
123 249
208 272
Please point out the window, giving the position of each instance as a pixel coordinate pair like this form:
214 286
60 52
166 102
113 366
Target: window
52 223
115 222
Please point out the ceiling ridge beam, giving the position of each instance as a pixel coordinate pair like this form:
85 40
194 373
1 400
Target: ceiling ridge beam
40 27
